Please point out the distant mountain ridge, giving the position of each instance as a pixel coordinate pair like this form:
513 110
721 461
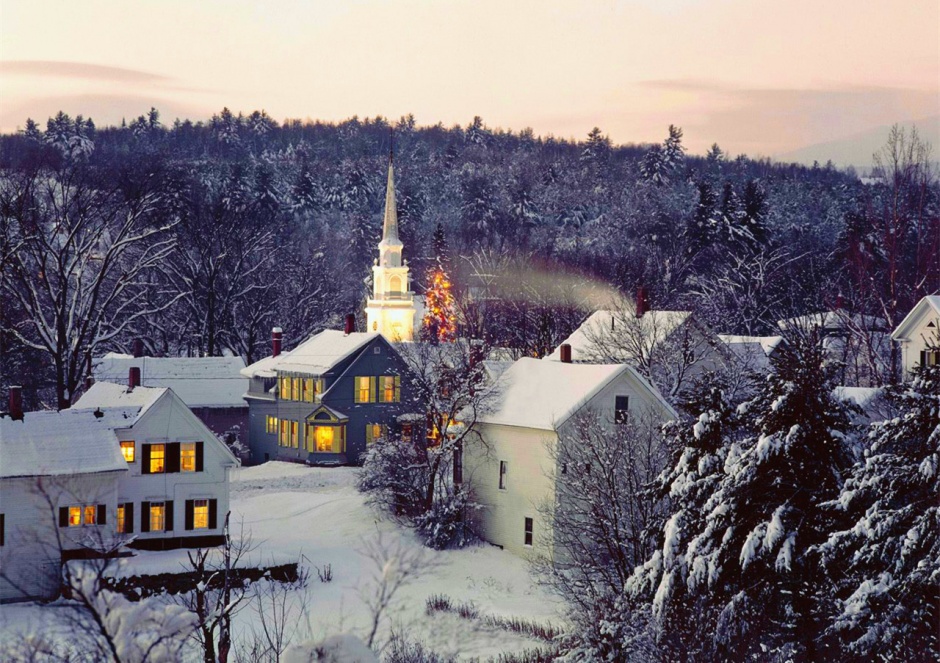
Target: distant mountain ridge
857 150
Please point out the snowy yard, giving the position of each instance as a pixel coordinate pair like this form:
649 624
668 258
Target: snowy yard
316 514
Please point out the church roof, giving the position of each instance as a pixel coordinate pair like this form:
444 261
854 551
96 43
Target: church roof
390 223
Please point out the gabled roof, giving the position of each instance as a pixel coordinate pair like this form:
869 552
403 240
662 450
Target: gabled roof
317 355
60 443
656 326
838 319
752 351
108 395
544 394
929 305
198 381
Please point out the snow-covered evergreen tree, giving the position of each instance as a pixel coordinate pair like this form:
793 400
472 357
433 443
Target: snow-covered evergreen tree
673 150
887 559
653 167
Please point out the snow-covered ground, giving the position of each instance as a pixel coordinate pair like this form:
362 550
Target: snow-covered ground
316 515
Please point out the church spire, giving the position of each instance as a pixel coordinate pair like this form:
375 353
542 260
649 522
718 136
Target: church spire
390 224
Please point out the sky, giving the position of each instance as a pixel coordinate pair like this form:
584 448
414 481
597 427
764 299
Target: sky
761 77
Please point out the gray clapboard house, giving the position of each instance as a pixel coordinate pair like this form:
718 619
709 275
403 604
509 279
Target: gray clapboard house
327 399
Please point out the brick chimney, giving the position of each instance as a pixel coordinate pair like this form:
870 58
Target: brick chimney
138 348
565 352
133 378
350 324
16 403
276 335
642 304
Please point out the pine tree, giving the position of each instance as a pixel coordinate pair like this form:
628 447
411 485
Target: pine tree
887 558
440 315
673 150
596 150
752 562
653 167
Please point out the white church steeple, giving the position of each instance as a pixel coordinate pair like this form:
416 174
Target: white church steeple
391 309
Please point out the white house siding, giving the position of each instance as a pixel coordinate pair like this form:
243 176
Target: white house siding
531 471
30 558
169 420
501 520
921 326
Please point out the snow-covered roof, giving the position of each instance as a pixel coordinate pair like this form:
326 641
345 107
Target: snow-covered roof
752 351
317 355
109 395
198 381
926 306
838 319
655 326
60 443
766 343
495 368
543 394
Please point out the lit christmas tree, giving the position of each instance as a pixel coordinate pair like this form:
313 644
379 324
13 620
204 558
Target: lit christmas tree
440 318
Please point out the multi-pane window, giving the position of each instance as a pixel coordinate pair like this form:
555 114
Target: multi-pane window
270 425
375 432
284 436
295 434
91 513
157 458
389 389
127 450
528 532
296 393
188 457
621 409
121 516
326 438
929 357
75 516
364 389
503 470
157 516
407 432
200 514
284 388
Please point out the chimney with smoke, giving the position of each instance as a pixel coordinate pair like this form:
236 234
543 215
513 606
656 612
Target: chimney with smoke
565 351
16 403
133 378
642 305
350 324
276 335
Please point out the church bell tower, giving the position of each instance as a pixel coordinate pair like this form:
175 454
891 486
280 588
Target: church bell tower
391 309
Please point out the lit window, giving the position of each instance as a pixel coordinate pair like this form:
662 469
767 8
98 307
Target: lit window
91 511
389 389
127 448
157 458
407 432
375 432
270 425
296 393
75 516
323 435
621 409
503 469
121 514
188 457
284 437
528 532
365 393
284 389
200 514
295 434
157 516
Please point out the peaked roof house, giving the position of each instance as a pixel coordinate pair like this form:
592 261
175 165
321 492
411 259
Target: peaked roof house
59 477
327 399
919 335
175 492
212 387
511 468
671 347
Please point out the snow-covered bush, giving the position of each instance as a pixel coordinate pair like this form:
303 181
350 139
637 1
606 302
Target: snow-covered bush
446 524
394 477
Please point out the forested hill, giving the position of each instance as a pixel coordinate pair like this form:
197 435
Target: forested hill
260 223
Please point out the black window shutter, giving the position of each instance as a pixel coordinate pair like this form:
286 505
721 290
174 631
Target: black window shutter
199 456
172 457
145 516
169 513
923 357
145 459
63 516
128 517
189 515
213 514
102 514
3 530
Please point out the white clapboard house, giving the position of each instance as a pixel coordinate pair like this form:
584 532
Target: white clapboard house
510 465
919 335
176 490
59 480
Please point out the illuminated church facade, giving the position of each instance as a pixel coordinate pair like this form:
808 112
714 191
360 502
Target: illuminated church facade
391 311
